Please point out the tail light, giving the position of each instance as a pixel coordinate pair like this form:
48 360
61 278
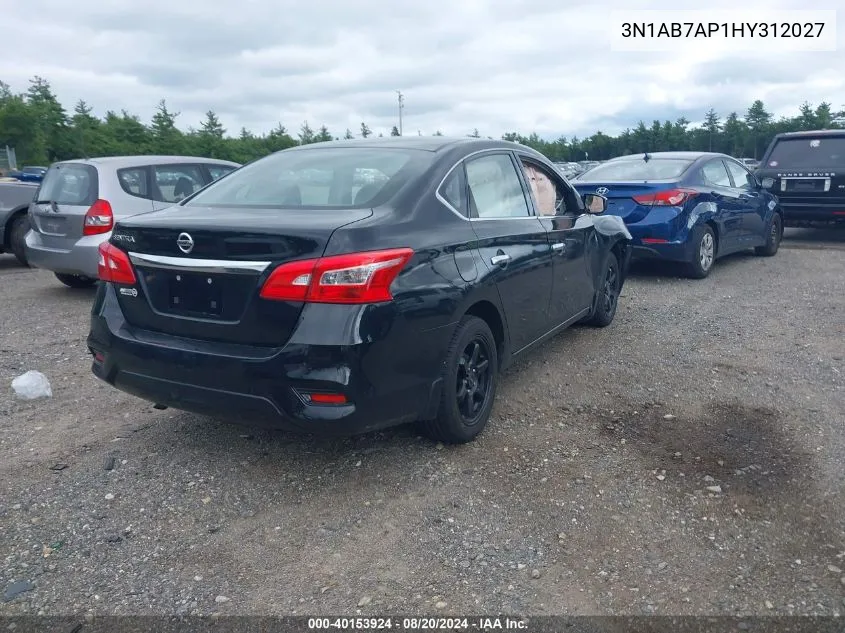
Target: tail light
670 198
98 219
354 278
325 398
114 265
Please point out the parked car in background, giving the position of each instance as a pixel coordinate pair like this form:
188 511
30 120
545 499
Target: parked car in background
29 174
806 170
569 170
751 163
15 197
333 305
688 207
79 201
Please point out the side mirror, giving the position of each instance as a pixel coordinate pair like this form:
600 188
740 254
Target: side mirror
595 203
768 183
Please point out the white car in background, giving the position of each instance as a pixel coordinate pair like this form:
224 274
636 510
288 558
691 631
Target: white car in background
79 201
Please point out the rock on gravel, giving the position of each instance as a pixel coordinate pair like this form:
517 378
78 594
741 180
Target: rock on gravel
32 385
17 588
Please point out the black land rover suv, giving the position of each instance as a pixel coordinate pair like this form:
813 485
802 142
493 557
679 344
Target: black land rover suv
806 171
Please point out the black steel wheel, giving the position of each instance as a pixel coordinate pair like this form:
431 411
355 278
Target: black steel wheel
468 386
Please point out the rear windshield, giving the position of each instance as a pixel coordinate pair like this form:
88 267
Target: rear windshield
69 183
636 169
315 178
808 153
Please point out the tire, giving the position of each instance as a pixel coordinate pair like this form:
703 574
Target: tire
75 281
704 253
456 421
18 229
773 237
607 294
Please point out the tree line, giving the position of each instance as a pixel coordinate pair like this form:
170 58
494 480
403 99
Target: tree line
42 131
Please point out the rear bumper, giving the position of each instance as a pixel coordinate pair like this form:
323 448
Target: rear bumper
663 233
79 258
798 213
673 251
259 386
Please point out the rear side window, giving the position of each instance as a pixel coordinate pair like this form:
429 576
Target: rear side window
808 153
714 173
218 171
176 182
454 189
69 183
637 170
134 181
335 178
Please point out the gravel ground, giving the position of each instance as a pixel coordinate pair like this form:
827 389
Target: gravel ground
686 460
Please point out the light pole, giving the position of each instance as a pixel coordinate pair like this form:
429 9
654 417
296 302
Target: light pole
401 106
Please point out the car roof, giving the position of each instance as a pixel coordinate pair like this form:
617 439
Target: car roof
425 143
671 155
811 134
136 161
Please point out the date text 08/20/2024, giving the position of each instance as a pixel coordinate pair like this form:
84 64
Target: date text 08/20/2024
418 624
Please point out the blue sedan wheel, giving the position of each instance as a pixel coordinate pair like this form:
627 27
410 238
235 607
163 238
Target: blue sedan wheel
773 238
703 252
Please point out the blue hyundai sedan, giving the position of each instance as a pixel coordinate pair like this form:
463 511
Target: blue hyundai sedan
688 207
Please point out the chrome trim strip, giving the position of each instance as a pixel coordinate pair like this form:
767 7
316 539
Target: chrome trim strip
198 265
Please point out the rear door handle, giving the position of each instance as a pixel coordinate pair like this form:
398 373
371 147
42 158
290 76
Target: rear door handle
558 246
500 260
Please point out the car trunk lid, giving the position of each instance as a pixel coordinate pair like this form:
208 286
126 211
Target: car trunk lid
621 197
64 197
200 269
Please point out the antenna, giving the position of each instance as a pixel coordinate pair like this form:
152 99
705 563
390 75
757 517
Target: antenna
401 107
646 157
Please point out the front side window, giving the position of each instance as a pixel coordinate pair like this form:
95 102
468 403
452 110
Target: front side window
550 197
316 178
176 182
495 189
740 175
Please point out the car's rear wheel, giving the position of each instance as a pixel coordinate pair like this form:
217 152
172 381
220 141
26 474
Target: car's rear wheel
75 281
17 237
470 377
607 294
773 237
704 252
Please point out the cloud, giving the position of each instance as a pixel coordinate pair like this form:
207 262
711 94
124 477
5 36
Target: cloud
494 65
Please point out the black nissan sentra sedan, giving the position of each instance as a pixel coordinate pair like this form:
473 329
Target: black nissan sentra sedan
348 286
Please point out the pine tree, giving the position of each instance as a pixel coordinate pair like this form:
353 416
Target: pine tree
306 134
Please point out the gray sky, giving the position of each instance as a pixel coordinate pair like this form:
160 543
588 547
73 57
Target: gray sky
496 65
